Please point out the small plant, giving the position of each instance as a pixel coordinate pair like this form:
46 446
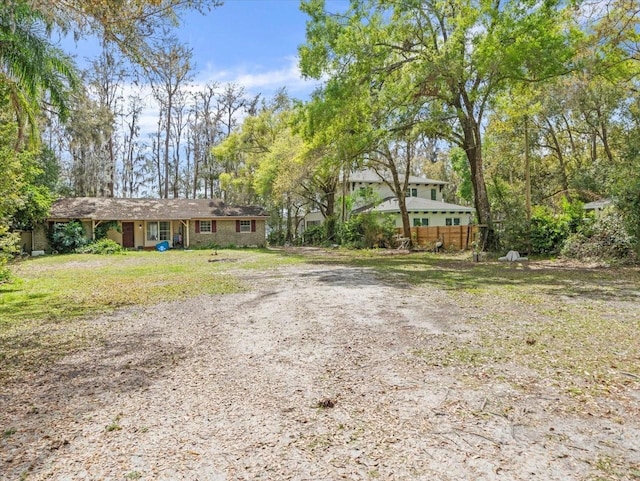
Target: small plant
133 475
326 403
115 425
9 432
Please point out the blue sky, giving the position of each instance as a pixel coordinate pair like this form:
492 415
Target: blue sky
253 43
250 42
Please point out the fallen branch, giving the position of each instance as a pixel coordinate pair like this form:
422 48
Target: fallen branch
480 436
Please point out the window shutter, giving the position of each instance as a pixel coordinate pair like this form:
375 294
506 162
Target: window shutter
214 227
238 225
197 227
253 225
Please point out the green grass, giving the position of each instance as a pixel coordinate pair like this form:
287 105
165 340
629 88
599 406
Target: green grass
68 286
50 292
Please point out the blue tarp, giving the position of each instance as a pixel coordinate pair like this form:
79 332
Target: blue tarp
162 246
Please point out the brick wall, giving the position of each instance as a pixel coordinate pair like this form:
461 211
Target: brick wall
226 234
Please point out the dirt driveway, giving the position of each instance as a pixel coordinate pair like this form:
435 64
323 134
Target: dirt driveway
314 373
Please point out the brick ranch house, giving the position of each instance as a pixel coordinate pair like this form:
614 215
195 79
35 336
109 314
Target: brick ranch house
143 223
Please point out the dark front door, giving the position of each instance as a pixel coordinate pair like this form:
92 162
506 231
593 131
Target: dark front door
127 234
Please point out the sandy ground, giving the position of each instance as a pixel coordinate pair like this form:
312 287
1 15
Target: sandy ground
310 375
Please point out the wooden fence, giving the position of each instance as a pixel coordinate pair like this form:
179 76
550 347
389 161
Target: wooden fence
458 237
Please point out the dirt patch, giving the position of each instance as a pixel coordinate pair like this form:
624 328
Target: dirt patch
317 372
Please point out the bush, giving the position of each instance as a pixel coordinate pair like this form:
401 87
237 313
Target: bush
9 247
365 231
102 246
548 231
276 237
67 237
314 235
605 238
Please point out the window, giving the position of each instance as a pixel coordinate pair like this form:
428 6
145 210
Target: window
158 231
456 221
205 226
448 221
412 192
452 221
245 226
424 222
434 194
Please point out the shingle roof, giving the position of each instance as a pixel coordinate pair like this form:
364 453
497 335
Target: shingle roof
103 208
418 204
598 204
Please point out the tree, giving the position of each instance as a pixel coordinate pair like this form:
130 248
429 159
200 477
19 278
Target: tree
453 57
132 25
88 131
33 72
105 82
170 71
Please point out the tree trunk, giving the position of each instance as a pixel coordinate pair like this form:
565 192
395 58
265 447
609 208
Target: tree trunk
473 149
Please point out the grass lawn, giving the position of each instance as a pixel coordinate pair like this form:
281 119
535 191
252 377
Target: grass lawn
42 311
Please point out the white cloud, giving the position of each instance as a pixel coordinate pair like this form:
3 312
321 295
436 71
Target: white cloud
256 79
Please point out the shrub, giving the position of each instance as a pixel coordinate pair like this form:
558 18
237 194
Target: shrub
604 238
276 237
365 231
548 231
67 237
9 247
102 246
314 235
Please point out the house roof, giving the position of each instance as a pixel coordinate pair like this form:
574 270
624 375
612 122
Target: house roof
104 208
418 204
370 177
597 204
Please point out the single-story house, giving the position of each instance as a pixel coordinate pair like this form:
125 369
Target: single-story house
143 223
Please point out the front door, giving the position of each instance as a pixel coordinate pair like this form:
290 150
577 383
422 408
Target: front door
127 234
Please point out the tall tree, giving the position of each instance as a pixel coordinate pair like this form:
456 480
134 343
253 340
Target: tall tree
455 56
106 77
169 73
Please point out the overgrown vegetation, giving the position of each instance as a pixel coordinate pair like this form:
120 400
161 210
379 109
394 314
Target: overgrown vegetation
365 231
605 237
9 246
65 237
102 246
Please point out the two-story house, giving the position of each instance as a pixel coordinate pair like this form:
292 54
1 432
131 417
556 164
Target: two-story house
425 204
